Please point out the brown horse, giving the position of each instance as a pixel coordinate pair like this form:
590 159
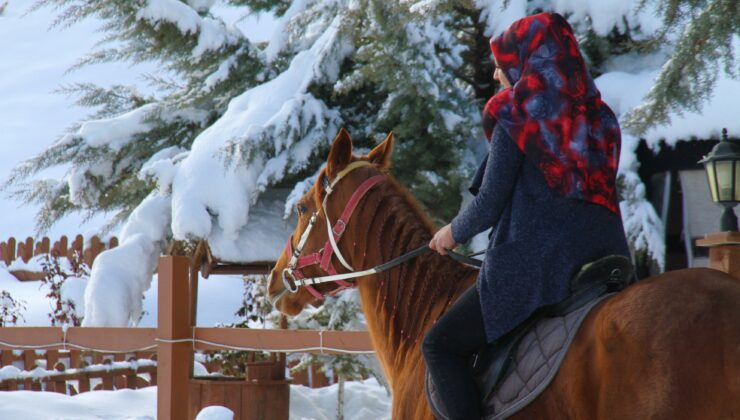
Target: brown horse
667 347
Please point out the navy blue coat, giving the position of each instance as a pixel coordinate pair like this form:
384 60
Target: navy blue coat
539 241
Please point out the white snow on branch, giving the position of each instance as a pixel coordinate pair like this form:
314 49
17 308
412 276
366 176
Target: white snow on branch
115 132
603 15
162 167
280 33
232 161
498 17
212 34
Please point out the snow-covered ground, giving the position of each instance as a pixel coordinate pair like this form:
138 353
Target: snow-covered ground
364 400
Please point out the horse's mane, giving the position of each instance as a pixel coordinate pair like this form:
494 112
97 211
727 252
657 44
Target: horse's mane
416 293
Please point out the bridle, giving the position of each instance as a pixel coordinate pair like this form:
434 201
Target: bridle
292 275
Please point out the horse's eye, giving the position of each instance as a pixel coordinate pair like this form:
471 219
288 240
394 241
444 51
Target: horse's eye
301 209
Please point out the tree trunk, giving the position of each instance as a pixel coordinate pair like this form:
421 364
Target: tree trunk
340 397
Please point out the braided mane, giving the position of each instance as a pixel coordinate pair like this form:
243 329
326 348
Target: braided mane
402 303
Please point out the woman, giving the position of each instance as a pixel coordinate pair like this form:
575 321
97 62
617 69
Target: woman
547 188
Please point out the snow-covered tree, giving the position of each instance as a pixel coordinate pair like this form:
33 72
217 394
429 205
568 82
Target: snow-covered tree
230 118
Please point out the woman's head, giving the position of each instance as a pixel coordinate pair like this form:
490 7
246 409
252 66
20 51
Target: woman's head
546 42
553 110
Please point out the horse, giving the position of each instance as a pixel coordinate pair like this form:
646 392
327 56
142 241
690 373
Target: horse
667 347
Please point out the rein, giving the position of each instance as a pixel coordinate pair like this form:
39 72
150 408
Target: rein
309 281
292 275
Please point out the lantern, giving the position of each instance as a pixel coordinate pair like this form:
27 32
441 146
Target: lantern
723 174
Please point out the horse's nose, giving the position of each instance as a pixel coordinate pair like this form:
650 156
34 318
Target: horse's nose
273 298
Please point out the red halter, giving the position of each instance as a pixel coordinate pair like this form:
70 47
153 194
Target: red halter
323 256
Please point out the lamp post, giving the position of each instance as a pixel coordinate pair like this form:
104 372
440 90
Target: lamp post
723 173
722 165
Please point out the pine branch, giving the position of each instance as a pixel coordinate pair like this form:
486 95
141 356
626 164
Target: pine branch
687 79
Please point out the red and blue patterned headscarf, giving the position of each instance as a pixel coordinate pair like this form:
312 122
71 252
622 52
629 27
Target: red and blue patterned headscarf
553 110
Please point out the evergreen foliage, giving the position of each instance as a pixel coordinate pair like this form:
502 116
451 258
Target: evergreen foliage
420 69
702 50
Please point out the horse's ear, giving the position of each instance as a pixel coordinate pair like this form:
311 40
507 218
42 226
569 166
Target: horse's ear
381 154
340 154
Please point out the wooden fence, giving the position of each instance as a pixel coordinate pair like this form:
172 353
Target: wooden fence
13 249
74 371
263 393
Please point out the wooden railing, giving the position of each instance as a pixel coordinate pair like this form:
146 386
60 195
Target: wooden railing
175 340
73 371
13 249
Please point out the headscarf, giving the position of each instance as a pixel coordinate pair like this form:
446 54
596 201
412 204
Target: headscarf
553 110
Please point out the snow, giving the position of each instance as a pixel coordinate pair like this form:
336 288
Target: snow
720 112
605 15
498 17
218 207
602 15
363 400
40 372
624 91
121 275
122 404
34 264
114 132
212 34
279 35
162 167
219 297
215 412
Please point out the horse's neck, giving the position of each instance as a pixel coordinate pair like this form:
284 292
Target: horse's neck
402 303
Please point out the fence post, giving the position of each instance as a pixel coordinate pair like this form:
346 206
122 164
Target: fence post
174 360
724 251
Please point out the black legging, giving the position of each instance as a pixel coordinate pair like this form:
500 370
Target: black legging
447 348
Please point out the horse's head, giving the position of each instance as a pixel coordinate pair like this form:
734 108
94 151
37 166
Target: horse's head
310 252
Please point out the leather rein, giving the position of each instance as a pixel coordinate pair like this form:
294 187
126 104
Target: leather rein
292 275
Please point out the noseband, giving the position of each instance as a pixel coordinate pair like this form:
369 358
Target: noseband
292 275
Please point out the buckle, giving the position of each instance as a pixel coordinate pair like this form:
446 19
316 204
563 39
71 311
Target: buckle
341 226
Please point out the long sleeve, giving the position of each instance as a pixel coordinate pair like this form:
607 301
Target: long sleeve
502 169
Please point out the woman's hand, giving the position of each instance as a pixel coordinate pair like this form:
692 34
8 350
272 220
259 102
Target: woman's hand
442 240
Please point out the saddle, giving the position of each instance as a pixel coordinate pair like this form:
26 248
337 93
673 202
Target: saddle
606 275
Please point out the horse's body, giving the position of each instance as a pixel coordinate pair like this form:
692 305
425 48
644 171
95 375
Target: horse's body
667 347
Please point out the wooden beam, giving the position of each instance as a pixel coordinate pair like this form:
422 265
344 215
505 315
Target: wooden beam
283 340
108 339
243 269
125 339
